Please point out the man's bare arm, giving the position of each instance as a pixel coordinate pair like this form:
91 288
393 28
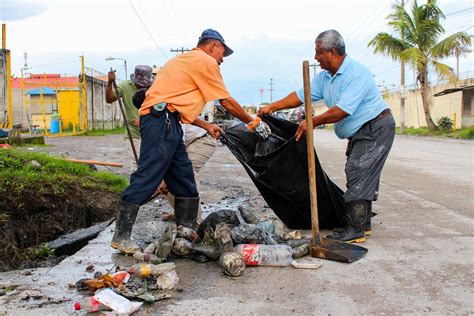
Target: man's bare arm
109 91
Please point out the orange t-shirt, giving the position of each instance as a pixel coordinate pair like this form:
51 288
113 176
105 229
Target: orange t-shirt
186 83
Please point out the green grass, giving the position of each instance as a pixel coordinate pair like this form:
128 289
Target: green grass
103 132
465 133
41 173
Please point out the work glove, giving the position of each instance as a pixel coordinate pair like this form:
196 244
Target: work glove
260 128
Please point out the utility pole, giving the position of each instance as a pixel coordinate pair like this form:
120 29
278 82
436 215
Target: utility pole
314 66
271 84
261 90
456 51
402 85
180 50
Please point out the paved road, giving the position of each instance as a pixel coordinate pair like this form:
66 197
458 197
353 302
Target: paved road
420 257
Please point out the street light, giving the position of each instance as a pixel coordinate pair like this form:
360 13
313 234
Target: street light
124 64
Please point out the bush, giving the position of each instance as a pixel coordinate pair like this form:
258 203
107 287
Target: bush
445 123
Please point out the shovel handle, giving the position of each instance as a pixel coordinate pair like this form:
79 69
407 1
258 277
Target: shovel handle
310 150
125 121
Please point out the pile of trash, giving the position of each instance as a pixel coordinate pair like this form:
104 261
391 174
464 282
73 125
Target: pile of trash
113 289
235 238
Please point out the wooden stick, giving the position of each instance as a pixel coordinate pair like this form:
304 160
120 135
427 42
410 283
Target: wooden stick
95 162
310 148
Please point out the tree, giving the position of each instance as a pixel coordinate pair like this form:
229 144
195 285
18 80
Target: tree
419 45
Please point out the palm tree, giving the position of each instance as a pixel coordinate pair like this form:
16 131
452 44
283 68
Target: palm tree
418 45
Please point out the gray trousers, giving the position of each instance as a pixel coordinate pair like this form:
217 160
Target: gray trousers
199 152
367 151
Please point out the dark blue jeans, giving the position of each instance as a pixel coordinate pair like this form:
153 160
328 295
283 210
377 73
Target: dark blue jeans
162 156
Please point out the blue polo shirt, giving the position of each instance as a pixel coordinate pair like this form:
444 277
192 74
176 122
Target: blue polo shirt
353 90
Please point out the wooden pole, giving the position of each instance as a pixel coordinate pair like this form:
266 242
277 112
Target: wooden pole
310 149
95 162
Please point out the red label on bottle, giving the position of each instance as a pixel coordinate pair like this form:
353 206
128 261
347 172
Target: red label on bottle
121 276
250 255
95 305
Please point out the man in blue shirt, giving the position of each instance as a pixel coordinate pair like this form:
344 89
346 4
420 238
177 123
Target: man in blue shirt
360 115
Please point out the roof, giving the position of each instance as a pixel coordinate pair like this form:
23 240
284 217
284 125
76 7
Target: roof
44 90
51 80
452 90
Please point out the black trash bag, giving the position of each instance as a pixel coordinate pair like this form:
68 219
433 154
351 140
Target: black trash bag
281 175
251 234
221 216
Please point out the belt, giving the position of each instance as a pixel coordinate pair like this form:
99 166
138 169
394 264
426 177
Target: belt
168 109
381 115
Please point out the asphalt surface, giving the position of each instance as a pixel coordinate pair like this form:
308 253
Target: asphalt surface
420 255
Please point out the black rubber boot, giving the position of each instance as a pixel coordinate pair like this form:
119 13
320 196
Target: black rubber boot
356 217
368 224
186 211
126 215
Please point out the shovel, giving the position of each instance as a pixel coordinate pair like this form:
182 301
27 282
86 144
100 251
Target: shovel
125 121
321 247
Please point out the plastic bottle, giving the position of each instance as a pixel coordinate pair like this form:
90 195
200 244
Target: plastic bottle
248 216
188 233
146 257
265 255
89 305
144 270
151 248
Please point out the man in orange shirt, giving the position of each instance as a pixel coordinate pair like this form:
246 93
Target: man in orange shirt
180 90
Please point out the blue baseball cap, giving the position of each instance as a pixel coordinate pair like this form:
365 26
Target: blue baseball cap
210 33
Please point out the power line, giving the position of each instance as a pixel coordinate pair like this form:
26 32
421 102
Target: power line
364 21
180 26
379 73
361 49
452 13
180 50
146 29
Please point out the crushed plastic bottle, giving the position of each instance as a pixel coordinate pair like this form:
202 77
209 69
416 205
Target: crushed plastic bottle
151 248
248 216
232 264
187 233
90 305
145 270
265 255
168 280
300 251
147 257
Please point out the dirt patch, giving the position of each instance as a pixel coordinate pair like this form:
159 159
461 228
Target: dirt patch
44 197
33 219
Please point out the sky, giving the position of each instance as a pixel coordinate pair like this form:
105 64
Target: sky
270 38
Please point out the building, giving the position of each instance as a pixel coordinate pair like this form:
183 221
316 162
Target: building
453 100
38 96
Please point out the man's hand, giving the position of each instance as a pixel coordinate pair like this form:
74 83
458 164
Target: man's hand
301 130
163 188
260 127
214 130
111 75
267 109
136 122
